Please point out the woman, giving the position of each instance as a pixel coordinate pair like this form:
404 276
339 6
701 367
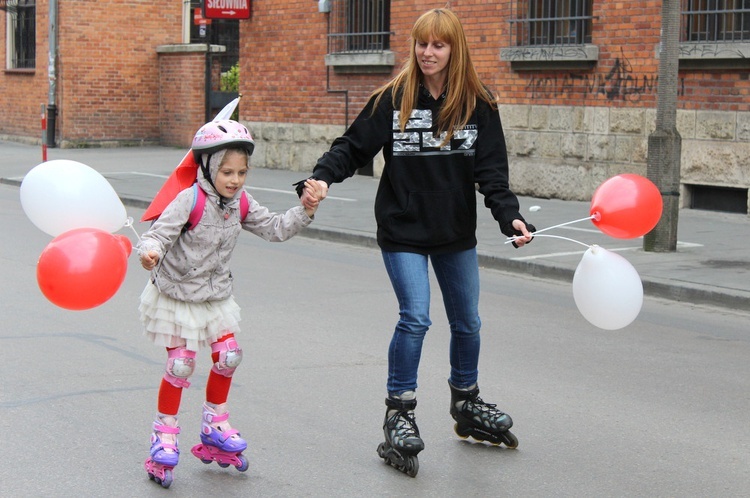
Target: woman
440 133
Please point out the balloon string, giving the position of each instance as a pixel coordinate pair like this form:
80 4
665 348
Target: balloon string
554 237
563 238
593 216
154 274
129 223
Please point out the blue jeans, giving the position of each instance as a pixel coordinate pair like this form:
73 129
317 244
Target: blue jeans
458 277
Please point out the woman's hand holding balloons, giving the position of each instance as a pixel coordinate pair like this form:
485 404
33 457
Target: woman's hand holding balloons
523 233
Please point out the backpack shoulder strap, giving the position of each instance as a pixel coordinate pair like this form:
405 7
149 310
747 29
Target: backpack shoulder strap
199 202
244 206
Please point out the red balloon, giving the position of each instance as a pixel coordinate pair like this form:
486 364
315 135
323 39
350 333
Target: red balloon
626 206
82 268
125 243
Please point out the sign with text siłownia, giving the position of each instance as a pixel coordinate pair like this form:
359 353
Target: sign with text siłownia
226 9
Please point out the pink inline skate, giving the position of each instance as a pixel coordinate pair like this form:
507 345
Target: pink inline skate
220 443
164 455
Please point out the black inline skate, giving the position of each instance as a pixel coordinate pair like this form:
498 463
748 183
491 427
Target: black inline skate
402 441
480 420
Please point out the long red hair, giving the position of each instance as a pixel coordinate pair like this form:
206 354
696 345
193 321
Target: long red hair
463 86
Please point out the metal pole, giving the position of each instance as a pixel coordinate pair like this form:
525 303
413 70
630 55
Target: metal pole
208 75
44 135
52 73
665 143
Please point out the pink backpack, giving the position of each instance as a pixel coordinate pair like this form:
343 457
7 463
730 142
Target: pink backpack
199 202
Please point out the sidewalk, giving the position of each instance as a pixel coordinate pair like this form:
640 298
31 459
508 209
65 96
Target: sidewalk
711 265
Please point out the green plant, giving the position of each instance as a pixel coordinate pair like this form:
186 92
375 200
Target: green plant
230 80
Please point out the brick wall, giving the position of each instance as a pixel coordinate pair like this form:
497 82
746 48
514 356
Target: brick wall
22 92
567 129
286 79
107 72
589 122
109 80
182 96
282 74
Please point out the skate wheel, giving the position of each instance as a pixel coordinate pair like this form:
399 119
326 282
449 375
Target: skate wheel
223 465
167 481
412 466
458 433
206 461
511 441
382 453
381 450
244 464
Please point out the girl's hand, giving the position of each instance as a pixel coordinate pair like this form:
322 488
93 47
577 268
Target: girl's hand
149 260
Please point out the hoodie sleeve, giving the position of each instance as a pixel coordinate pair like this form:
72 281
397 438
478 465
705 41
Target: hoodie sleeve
491 169
359 144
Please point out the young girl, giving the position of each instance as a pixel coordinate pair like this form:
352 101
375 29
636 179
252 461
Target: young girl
440 133
188 303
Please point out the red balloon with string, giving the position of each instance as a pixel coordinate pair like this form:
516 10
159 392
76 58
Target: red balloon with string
626 206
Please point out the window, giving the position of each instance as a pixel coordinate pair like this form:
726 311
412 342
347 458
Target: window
359 26
21 34
715 21
553 22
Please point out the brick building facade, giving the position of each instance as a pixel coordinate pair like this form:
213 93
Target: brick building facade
575 110
578 98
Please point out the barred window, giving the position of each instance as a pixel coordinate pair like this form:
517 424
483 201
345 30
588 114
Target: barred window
21 34
359 26
715 21
552 22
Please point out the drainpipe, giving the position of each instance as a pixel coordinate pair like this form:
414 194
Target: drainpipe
52 72
324 6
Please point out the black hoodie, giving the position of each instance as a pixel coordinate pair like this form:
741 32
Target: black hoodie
426 199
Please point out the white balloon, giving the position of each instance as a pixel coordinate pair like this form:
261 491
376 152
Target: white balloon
62 195
607 289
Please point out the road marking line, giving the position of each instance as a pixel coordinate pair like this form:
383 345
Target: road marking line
573 253
264 189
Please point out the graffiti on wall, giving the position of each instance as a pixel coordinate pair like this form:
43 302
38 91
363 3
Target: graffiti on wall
713 51
619 83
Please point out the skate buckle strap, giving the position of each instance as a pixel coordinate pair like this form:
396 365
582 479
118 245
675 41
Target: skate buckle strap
164 446
215 417
401 404
165 429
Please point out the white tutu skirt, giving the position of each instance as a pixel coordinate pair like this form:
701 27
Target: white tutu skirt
171 323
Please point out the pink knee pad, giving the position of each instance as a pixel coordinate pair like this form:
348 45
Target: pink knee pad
180 366
230 356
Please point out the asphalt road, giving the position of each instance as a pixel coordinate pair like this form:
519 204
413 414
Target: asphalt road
656 409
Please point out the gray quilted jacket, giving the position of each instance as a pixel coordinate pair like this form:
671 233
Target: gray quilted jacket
194 266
